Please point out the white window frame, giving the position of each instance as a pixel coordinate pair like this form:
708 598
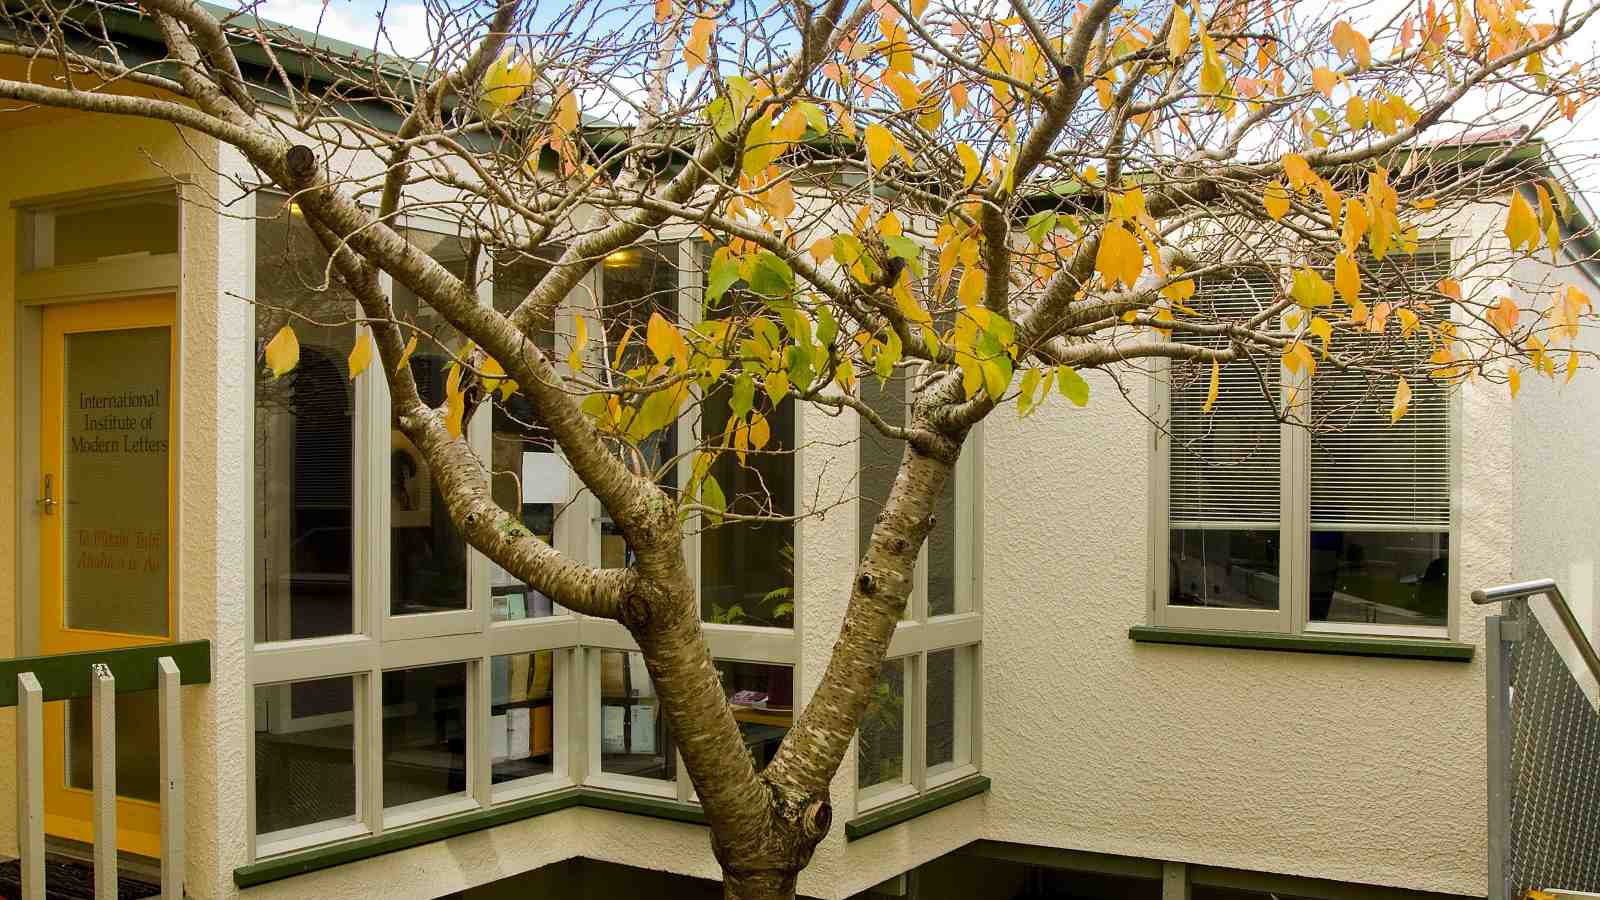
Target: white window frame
381 642
919 634
1294 523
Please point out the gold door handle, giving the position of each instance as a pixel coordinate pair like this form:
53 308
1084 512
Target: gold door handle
48 501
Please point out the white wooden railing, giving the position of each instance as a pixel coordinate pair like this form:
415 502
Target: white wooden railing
49 678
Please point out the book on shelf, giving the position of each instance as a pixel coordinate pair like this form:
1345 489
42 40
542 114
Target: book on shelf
519 733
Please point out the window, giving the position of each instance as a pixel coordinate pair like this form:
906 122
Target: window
399 676
919 730
1333 519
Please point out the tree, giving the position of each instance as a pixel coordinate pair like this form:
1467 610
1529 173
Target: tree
989 199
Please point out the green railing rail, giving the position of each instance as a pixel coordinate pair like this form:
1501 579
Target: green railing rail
66 676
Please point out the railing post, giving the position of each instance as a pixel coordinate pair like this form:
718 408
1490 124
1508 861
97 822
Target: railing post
1497 681
104 699
30 785
172 818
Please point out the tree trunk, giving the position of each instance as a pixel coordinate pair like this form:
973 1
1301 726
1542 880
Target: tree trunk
765 885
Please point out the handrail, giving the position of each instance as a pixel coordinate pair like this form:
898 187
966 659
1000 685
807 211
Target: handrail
65 676
1547 586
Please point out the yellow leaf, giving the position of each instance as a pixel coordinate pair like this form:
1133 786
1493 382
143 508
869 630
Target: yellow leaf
1503 315
504 82
283 352
1402 401
1311 290
1297 358
566 117
660 337
760 431
1352 44
1276 199
1514 380
1216 382
970 290
1408 321
405 355
1355 112
1347 278
1323 329
697 49
1178 37
360 355
970 168
1120 258
1572 364
455 402
579 340
1324 80
880 145
1297 170
1521 226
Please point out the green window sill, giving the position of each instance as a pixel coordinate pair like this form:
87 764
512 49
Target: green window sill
912 807
1338 644
317 858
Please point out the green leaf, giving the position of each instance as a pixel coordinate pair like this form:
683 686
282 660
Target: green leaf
724 274
744 394
713 499
827 327
1072 385
770 276
1039 225
905 248
814 117
720 114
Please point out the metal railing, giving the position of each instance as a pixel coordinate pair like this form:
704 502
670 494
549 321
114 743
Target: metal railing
1544 745
29 682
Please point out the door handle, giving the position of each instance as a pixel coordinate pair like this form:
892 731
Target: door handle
48 501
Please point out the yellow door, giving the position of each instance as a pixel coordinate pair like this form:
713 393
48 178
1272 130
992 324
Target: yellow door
107 436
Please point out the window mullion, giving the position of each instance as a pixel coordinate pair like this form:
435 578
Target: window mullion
1294 529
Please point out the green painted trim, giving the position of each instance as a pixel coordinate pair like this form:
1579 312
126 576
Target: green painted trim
910 808
65 676
1399 648
317 858
654 807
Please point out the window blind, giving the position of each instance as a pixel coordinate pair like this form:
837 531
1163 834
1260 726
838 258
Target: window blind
1364 470
1223 466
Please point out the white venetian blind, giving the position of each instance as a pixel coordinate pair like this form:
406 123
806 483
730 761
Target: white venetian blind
1223 465
1366 471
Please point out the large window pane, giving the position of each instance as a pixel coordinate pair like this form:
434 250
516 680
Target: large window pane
1380 577
304 427
746 568
529 477
634 739
881 740
305 753
1229 568
424 733
637 283
1223 464
762 697
950 691
522 720
428 555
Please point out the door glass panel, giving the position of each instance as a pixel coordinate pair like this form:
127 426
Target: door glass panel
114 490
138 769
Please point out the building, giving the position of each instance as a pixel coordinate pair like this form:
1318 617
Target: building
383 714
